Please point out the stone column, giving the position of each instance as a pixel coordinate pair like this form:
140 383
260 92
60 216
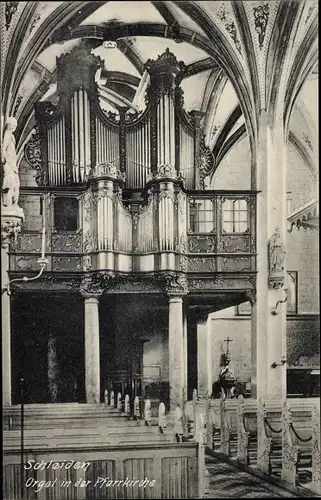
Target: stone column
53 369
11 220
204 356
176 351
6 328
185 340
92 347
268 329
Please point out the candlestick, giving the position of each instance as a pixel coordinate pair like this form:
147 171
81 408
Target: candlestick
43 243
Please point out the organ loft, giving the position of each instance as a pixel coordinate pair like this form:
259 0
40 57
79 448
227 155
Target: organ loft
136 251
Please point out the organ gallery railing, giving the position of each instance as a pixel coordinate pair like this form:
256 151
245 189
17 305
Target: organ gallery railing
76 135
172 229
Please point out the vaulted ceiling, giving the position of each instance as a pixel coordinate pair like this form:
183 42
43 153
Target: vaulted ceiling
237 54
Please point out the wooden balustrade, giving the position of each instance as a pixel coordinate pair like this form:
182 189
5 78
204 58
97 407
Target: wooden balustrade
163 464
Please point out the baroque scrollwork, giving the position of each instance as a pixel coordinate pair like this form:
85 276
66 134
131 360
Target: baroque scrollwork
108 170
206 161
33 155
9 231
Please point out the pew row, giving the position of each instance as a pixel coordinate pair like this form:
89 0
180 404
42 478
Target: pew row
255 434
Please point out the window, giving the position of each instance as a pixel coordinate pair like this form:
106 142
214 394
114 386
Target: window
66 214
201 216
235 217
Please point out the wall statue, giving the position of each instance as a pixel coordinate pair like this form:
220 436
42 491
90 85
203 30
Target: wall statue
10 174
276 253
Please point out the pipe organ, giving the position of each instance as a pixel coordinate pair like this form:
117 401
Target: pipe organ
77 135
133 166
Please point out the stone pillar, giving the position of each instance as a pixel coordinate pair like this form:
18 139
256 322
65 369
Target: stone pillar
176 351
6 328
92 347
185 340
269 329
11 220
204 356
53 370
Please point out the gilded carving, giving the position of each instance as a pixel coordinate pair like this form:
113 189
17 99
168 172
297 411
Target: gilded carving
27 263
9 231
206 161
88 206
202 264
199 243
87 263
28 242
164 71
234 263
88 243
66 263
66 242
89 287
33 155
103 170
181 205
183 263
233 244
175 284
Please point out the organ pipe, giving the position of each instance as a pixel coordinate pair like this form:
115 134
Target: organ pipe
56 153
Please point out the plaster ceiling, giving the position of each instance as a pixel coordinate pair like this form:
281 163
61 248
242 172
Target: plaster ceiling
222 41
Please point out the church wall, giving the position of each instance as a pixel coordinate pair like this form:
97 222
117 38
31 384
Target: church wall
303 341
239 330
303 257
300 182
234 171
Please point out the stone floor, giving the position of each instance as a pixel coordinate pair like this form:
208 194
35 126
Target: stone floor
226 481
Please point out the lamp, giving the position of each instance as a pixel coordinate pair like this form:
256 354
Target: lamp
42 261
282 362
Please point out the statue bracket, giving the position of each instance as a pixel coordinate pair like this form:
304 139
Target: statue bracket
276 280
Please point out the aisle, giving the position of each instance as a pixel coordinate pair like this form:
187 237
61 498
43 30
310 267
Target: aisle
226 481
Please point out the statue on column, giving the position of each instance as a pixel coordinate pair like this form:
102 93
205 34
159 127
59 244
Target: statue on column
10 174
276 252
276 259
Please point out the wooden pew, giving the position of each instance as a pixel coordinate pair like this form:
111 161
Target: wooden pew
301 447
228 418
247 431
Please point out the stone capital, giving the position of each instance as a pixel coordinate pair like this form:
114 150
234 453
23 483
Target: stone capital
176 286
89 289
11 221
